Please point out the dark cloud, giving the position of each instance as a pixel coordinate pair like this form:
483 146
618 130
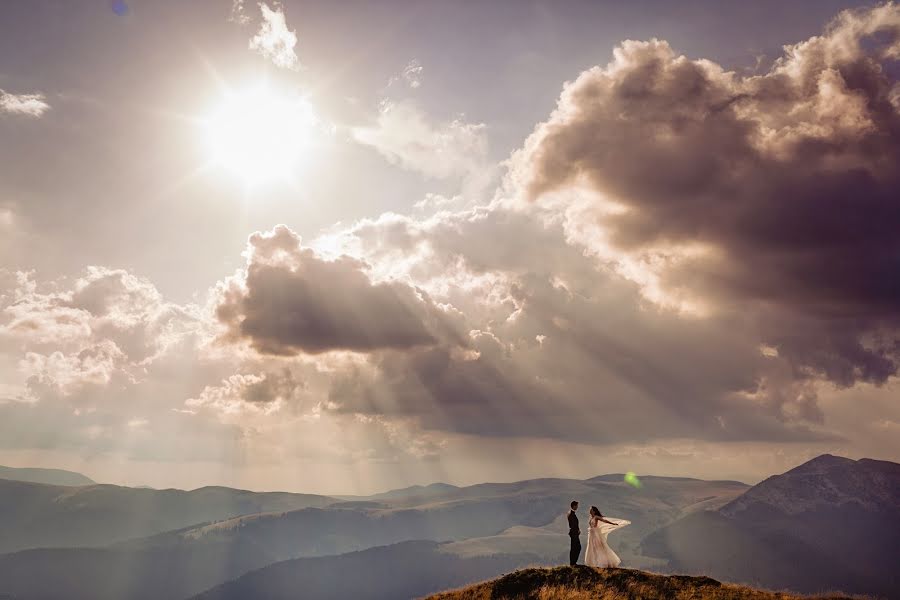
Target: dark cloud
789 181
563 347
293 301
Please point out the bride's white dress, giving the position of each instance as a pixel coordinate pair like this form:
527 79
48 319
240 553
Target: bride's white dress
599 554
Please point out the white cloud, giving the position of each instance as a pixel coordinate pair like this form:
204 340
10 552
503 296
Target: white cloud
237 14
260 394
67 373
412 74
107 325
405 136
274 40
32 105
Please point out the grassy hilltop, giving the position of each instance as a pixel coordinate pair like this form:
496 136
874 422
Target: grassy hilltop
586 583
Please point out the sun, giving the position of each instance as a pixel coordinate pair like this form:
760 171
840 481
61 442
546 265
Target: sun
259 134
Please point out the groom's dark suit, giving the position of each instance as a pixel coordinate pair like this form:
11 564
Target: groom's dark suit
574 532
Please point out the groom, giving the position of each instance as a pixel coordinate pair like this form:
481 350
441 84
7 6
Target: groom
574 532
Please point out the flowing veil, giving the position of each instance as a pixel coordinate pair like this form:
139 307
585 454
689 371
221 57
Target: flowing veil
605 528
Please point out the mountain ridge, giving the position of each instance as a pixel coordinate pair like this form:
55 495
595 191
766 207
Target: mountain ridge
375 577
222 534
34 515
841 480
492 522
45 476
831 522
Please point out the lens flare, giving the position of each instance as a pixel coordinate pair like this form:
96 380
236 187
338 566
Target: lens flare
632 479
119 7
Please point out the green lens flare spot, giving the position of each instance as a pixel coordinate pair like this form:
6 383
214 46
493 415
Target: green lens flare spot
632 479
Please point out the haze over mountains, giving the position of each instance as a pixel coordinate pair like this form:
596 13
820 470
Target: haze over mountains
405 570
49 476
103 542
38 515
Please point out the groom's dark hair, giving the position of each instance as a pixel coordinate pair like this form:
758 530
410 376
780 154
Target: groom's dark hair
573 504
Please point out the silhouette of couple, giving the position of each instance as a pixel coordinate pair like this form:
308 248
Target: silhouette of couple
598 554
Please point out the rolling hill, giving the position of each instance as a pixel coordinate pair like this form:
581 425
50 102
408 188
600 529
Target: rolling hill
403 570
114 574
48 476
406 570
34 515
661 500
831 523
780 533
483 520
483 523
411 493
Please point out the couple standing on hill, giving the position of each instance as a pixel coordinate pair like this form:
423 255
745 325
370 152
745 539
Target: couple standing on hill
598 554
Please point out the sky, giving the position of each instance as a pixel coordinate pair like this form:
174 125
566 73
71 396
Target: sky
347 247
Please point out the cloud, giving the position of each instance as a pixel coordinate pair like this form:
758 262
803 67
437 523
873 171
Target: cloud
771 195
561 346
104 366
290 300
107 325
237 14
66 373
265 393
31 105
80 358
273 40
406 137
551 328
412 74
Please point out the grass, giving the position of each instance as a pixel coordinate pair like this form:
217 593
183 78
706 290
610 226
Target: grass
587 583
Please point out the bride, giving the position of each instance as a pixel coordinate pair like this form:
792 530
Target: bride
599 554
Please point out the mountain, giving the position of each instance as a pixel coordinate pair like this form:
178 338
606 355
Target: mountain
484 523
660 501
48 476
406 570
831 523
34 515
419 492
824 482
481 520
580 582
115 574
544 542
184 562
